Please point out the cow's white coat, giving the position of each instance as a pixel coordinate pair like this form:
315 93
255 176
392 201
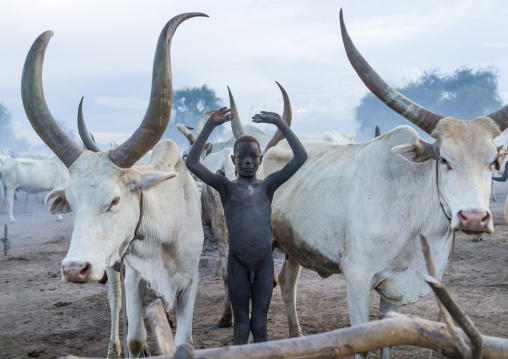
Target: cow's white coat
358 209
167 259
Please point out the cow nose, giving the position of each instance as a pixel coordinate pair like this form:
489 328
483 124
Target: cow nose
76 272
474 220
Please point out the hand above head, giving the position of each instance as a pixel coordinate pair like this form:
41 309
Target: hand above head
221 116
267 117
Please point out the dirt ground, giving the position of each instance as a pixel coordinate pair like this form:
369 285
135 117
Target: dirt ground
41 316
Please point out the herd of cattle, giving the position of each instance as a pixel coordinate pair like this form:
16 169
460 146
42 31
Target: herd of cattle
137 202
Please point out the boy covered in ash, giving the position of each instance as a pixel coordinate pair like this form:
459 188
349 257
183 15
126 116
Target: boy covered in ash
247 203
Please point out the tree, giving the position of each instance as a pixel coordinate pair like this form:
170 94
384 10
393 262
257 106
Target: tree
464 95
8 140
189 105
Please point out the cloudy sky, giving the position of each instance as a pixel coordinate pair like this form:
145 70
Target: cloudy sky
103 50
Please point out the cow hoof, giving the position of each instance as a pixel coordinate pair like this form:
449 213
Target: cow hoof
12 222
476 239
59 220
225 323
114 351
145 353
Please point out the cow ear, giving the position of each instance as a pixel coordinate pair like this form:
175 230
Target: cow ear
501 150
146 180
420 152
60 204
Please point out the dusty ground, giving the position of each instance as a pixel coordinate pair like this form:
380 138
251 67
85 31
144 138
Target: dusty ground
40 316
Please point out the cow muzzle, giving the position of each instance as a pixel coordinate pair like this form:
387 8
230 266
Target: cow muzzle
77 272
474 220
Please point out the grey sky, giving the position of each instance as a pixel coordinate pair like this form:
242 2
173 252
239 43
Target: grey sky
103 50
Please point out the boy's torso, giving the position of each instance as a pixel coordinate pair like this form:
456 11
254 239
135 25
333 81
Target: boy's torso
248 209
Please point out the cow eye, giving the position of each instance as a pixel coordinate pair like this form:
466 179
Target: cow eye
114 202
446 163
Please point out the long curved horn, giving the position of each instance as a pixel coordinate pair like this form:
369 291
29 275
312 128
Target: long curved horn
287 116
190 136
236 125
159 109
36 108
202 121
500 117
419 115
86 136
377 133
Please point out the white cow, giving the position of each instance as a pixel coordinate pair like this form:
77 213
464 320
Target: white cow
32 176
151 215
332 218
2 157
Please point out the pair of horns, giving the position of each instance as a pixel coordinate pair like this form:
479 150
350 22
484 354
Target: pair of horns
419 115
144 138
236 124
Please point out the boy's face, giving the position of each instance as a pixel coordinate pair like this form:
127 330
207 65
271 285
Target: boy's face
247 159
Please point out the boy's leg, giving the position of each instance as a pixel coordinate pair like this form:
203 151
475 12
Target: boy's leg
261 292
239 291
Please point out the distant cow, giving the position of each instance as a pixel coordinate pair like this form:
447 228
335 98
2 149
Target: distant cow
32 176
331 217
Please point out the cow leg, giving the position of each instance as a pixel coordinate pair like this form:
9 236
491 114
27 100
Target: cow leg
287 280
26 201
10 202
184 312
358 300
115 304
221 233
135 290
385 307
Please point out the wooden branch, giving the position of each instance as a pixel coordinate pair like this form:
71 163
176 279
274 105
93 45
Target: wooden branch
450 325
394 330
160 327
462 319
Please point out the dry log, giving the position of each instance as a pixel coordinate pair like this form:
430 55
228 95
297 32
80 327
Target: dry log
394 330
459 342
450 309
160 327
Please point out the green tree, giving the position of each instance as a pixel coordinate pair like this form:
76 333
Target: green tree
464 95
189 104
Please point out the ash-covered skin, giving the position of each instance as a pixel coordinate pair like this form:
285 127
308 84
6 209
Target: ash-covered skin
247 207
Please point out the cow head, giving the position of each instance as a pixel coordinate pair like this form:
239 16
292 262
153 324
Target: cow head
103 191
465 151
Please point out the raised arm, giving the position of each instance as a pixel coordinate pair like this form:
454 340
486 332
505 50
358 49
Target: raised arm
204 174
276 179
503 177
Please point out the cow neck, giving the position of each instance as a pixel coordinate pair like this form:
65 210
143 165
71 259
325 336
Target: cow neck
137 235
439 193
